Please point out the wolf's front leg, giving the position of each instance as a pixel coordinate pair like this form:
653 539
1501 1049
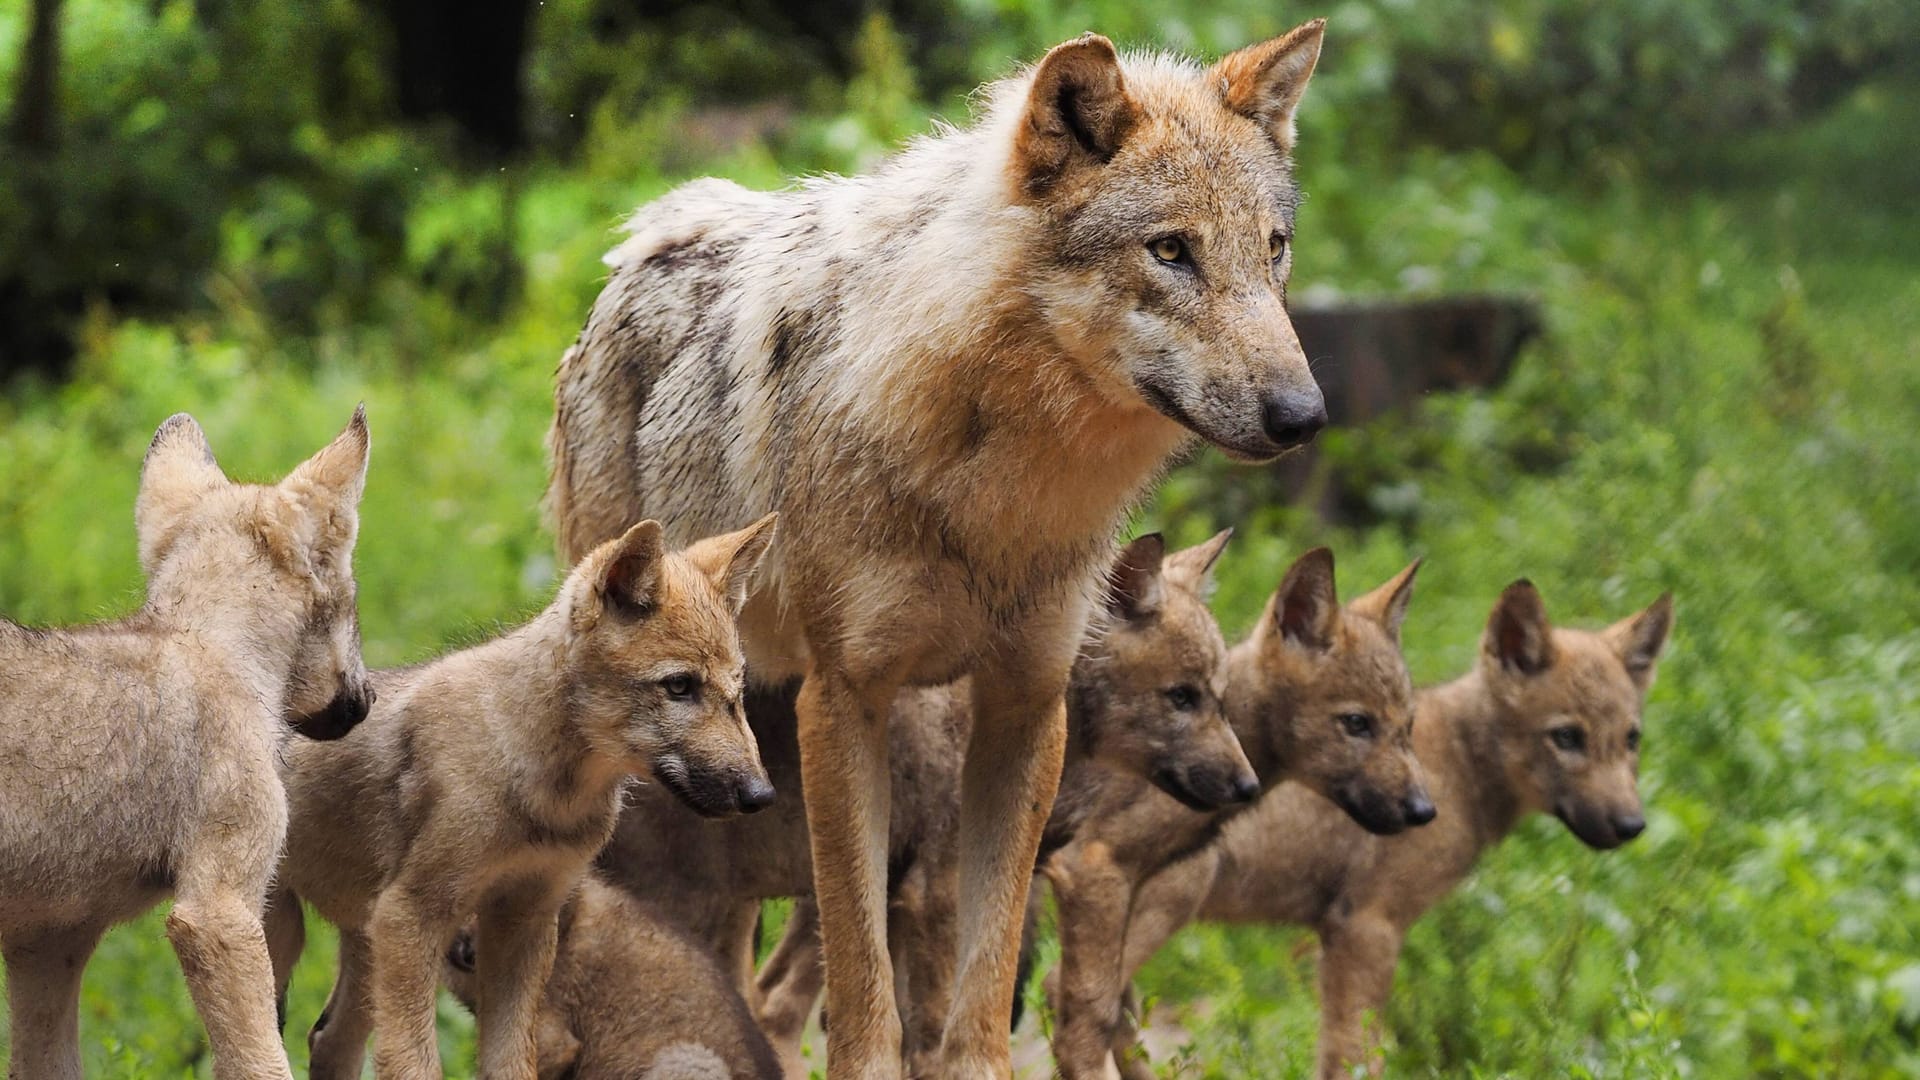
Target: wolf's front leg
843 765
1095 898
515 950
789 986
43 999
1167 902
1007 787
337 1044
216 933
407 934
1357 958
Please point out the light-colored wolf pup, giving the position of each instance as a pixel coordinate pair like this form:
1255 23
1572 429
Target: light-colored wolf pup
954 377
138 757
631 998
1317 694
484 782
1547 722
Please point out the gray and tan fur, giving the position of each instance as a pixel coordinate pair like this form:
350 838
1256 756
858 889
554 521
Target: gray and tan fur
1547 722
1317 694
138 757
632 997
953 377
484 782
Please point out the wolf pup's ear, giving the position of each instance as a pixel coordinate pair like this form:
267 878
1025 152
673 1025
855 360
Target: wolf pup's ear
626 575
1193 567
1306 609
1519 637
1078 112
730 559
1638 639
1133 581
328 486
1387 605
179 469
1264 82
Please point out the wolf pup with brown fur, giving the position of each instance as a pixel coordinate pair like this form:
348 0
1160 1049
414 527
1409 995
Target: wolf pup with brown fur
1317 694
484 782
1548 722
631 998
138 757
953 377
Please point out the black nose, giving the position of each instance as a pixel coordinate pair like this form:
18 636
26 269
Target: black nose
754 795
1419 809
1293 417
1628 826
1246 787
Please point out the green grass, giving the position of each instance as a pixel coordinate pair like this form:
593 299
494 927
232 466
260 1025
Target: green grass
1723 407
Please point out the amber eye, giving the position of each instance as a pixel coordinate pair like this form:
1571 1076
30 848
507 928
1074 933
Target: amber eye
1169 249
679 687
1276 246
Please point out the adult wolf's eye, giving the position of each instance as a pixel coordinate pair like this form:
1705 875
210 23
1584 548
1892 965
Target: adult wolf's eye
1184 697
1570 739
679 687
1276 246
1358 725
1169 249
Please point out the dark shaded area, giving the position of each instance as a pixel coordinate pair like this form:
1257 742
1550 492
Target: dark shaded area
462 61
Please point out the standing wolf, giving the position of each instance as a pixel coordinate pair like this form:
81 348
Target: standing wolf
953 378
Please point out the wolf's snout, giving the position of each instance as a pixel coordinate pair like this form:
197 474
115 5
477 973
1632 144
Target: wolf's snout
344 713
755 793
1628 826
1292 418
1419 809
1246 787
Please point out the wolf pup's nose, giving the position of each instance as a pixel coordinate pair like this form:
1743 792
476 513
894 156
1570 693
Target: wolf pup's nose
754 795
1246 787
1292 417
1420 809
1628 826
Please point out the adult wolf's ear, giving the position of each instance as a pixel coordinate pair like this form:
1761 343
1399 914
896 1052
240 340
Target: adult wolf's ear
626 572
1639 638
1387 605
1306 609
179 469
1519 637
1264 82
1133 581
730 559
1078 113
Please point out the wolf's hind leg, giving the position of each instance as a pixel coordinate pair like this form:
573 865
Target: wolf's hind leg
337 1044
43 998
217 935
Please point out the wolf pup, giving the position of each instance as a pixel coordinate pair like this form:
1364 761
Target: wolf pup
1548 721
1144 704
484 782
631 998
138 757
953 377
1316 694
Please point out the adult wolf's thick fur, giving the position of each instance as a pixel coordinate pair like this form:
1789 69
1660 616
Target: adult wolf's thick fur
952 377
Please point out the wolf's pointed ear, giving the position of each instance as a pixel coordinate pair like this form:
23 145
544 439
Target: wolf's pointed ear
1387 605
1264 82
1306 609
179 469
337 475
1519 637
1078 112
1638 639
730 559
1193 567
626 572
1133 581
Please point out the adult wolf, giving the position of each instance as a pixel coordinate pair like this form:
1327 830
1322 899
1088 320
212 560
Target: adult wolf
953 377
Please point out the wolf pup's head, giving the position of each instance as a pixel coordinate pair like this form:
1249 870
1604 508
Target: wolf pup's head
279 555
658 671
1147 692
1331 690
1569 705
1164 201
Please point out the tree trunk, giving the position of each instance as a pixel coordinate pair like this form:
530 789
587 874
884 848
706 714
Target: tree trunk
36 104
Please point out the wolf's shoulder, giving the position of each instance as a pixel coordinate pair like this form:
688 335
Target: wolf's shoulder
693 219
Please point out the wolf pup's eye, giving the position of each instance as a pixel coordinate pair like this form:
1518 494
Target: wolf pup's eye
1276 246
1183 697
679 687
1169 249
1633 739
1570 739
1358 725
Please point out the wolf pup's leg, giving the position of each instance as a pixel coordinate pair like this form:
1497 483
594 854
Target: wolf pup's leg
216 933
337 1045
43 998
1357 958
286 928
789 986
1165 903
1011 775
407 943
843 765
516 942
1095 898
